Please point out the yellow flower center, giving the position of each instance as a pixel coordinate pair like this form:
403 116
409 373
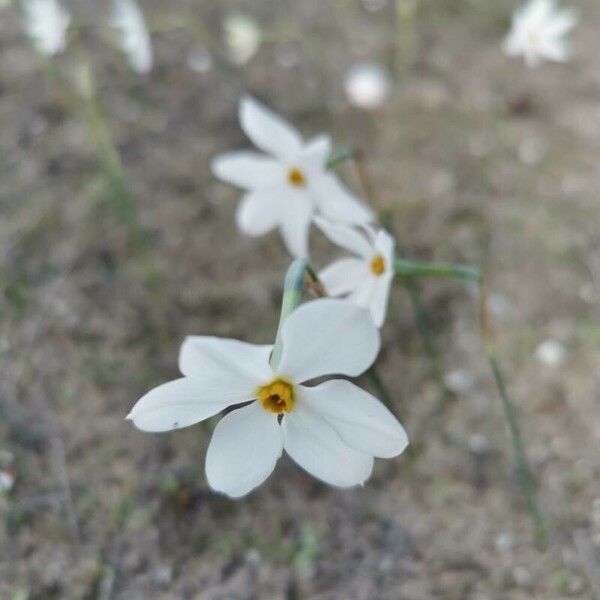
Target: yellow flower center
378 265
296 177
277 396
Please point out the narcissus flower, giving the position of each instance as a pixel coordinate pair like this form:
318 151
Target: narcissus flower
332 430
366 279
538 32
133 37
287 188
46 23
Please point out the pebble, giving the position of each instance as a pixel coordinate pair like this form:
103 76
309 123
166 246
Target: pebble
199 59
368 85
522 577
7 480
458 381
551 353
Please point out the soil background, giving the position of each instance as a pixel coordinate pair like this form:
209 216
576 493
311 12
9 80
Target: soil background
475 159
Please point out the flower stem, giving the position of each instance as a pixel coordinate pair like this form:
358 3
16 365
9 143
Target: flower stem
406 35
427 339
412 268
81 94
341 156
524 473
293 287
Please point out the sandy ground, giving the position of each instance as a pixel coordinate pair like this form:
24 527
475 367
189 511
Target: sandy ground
476 159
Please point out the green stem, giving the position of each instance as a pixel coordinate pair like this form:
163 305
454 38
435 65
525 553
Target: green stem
524 473
293 287
341 156
406 35
412 268
422 321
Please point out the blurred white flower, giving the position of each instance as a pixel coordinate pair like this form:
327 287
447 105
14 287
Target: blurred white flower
538 32
46 23
287 188
242 37
551 353
365 280
133 36
332 430
368 86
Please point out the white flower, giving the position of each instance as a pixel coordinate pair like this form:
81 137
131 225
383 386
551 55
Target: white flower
538 32
288 187
133 36
368 86
46 23
367 279
242 37
332 430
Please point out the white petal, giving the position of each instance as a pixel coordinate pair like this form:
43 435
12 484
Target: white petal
343 276
562 22
248 170
243 450
512 45
556 50
337 204
220 362
180 403
314 155
386 245
346 237
362 296
314 445
295 222
134 38
325 337
361 420
380 298
268 131
46 23
261 211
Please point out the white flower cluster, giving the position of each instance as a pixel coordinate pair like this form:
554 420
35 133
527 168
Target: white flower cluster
290 187
333 430
46 23
539 31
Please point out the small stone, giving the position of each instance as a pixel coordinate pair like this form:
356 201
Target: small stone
243 37
368 86
287 56
199 59
479 444
163 576
551 353
504 543
458 381
531 151
7 480
499 306
252 558
522 577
